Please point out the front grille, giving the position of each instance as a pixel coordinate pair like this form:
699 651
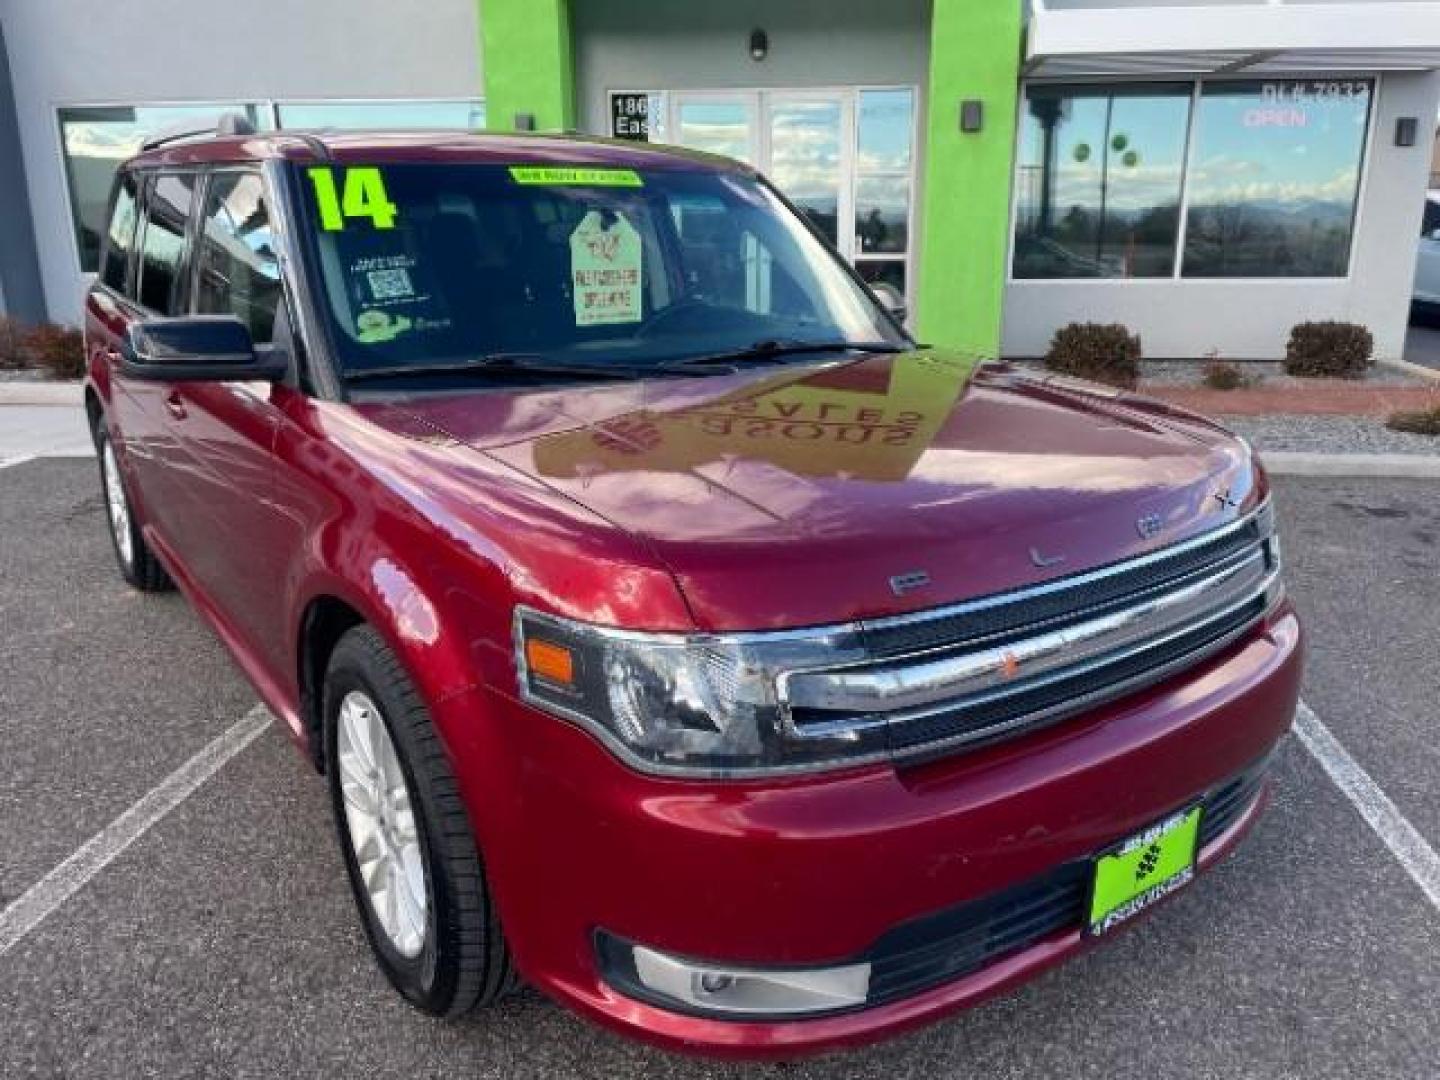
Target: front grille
949 944
1088 594
997 667
1070 694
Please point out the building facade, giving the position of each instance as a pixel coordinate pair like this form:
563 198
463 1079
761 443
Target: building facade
1207 173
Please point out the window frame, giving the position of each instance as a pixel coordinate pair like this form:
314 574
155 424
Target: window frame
1376 82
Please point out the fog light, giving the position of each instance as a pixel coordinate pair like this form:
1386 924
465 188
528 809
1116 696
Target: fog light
696 986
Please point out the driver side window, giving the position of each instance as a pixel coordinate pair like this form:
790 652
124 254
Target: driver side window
237 271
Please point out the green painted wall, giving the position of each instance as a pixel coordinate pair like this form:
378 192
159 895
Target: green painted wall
965 215
529 66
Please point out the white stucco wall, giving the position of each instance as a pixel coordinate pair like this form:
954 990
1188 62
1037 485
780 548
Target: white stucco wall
645 45
1248 319
95 52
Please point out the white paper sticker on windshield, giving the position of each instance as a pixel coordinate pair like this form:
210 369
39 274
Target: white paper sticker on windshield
605 270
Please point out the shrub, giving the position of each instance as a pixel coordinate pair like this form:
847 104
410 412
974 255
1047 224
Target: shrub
57 350
1423 422
1221 375
12 357
1329 349
1106 353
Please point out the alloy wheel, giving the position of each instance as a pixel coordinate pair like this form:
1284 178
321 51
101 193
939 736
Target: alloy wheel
116 506
380 818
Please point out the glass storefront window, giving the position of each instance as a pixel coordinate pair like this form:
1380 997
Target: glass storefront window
96 140
884 134
882 214
1099 181
352 115
1274 176
890 271
886 126
805 159
717 127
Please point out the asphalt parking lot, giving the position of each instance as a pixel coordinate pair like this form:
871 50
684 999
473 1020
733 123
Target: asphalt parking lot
224 942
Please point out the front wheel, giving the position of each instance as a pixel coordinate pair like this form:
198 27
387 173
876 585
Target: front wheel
138 564
406 839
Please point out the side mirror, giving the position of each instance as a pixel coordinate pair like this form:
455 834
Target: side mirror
196 348
891 300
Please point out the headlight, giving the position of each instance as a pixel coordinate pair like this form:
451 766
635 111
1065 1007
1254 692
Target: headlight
691 704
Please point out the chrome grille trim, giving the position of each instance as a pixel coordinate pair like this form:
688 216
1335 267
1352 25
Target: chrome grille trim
899 687
946 627
1054 666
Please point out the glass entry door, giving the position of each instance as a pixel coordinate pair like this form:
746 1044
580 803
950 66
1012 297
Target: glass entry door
807 141
801 140
843 156
718 123
809 159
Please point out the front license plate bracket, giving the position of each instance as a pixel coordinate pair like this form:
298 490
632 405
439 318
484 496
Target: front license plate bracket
1142 870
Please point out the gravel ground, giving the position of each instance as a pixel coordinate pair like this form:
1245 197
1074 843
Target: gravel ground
1188 372
1328 435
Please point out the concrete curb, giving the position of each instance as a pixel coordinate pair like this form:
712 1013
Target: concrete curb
1420 371
41 393
1386 466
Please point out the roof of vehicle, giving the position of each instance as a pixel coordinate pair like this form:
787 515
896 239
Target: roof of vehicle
383 147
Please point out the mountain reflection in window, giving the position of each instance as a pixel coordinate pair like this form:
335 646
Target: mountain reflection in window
1274 175
1099 181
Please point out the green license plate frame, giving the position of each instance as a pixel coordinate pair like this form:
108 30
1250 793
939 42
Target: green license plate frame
1143 869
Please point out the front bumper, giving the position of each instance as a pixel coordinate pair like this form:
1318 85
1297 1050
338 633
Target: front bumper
819 870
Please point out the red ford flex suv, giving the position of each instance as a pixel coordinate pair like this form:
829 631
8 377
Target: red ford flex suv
675 633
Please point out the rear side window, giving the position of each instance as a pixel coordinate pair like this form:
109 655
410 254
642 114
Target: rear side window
236 268
162 247
120 238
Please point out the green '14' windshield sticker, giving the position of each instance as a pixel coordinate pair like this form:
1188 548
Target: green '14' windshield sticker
360 194
551 174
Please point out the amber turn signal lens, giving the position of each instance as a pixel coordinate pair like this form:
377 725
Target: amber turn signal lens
553 663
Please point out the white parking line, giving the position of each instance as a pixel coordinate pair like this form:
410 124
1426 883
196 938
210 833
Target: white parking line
5 463
1404 841
63 882
1410 849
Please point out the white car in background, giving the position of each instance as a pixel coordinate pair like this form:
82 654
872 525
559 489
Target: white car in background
1427 266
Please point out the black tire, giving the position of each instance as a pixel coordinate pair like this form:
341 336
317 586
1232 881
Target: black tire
464 962
138 566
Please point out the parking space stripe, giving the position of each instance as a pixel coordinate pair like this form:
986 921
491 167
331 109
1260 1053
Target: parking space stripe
63 882
5 463
1404 841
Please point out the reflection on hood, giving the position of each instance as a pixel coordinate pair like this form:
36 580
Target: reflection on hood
856 420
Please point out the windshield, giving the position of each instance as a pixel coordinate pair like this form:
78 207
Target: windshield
428 264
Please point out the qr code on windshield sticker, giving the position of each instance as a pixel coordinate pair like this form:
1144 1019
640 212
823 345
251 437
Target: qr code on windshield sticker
389 284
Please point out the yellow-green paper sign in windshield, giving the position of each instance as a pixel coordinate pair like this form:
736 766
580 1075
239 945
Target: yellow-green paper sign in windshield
550 174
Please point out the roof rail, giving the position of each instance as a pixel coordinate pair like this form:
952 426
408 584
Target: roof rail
314 143
227 124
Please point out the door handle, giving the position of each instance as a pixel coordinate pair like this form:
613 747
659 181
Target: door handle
174 405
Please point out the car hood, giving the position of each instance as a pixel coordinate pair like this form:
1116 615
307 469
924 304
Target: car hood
824 492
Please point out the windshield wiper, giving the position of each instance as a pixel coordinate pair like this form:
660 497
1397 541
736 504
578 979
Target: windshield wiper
772 348
498 362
